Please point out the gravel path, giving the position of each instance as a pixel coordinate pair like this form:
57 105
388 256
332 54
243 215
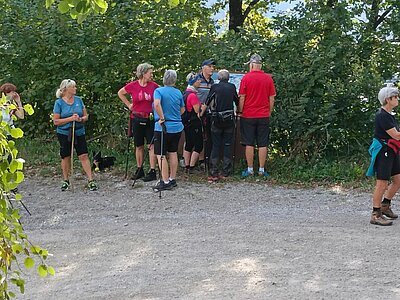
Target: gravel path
237 240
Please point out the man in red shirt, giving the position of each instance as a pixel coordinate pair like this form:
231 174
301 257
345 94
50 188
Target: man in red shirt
256 103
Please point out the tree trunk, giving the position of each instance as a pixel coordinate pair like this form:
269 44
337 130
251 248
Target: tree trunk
236 19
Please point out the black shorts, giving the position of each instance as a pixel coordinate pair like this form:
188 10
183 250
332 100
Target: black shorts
80 145
194 138
387 163
141 129
254 131
170 142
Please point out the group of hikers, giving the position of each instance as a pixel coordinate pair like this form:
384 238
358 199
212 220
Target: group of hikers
206 112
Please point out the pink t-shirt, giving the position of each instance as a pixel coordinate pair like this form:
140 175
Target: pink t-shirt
142 96
258 87
192 100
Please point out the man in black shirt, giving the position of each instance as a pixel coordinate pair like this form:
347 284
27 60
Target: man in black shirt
220 101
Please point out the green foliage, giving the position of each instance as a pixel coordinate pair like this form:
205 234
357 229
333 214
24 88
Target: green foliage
326 88
101 55
14 245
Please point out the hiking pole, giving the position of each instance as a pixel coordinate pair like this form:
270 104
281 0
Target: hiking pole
72 155
127 158
129 132
144 159
163 129
234 144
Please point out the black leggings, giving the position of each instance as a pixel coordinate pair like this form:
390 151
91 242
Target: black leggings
193 138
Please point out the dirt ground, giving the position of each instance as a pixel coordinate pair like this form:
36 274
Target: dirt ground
224 241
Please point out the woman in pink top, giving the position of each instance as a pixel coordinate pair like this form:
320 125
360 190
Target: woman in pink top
141 92
193 129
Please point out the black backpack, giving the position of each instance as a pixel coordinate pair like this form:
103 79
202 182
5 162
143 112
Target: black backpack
188 117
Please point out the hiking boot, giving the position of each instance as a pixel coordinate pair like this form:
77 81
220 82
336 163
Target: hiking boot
138 174
173 183
386 210
263 174
193 171
378 219
152 175
92 186
246 173
162 186
65 185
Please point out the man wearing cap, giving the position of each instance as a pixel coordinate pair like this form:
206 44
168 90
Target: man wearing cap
256 103
207 68
206 81
385 162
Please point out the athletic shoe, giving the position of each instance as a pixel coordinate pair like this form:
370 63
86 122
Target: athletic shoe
378 219
387 211
173 183
92 186
65 185
212 179
138 174
152 175
246 173
162 186
263 174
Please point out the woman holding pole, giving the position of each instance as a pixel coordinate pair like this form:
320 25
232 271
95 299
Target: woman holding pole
69 115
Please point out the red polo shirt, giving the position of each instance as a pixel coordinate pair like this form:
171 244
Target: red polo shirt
257 86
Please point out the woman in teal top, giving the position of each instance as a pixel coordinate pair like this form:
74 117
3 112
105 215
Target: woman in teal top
68 110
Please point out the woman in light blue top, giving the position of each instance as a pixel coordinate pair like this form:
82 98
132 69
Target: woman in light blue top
168 108
69 116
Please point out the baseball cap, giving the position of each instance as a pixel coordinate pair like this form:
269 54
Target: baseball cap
387 92
255 59
208 62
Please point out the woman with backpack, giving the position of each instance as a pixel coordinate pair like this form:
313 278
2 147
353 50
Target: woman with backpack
192 123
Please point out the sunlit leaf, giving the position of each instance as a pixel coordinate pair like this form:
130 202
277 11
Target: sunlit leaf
20 177
17 248
29 262
29 109
42 270
49 3
51 271
63 7
173 3
16 133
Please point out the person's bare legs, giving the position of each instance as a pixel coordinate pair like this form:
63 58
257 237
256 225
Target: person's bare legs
139 155
377 196
152 158
66 167
173 164
249 152
262 156
163 168
193 158
393 187
84 158
186 157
